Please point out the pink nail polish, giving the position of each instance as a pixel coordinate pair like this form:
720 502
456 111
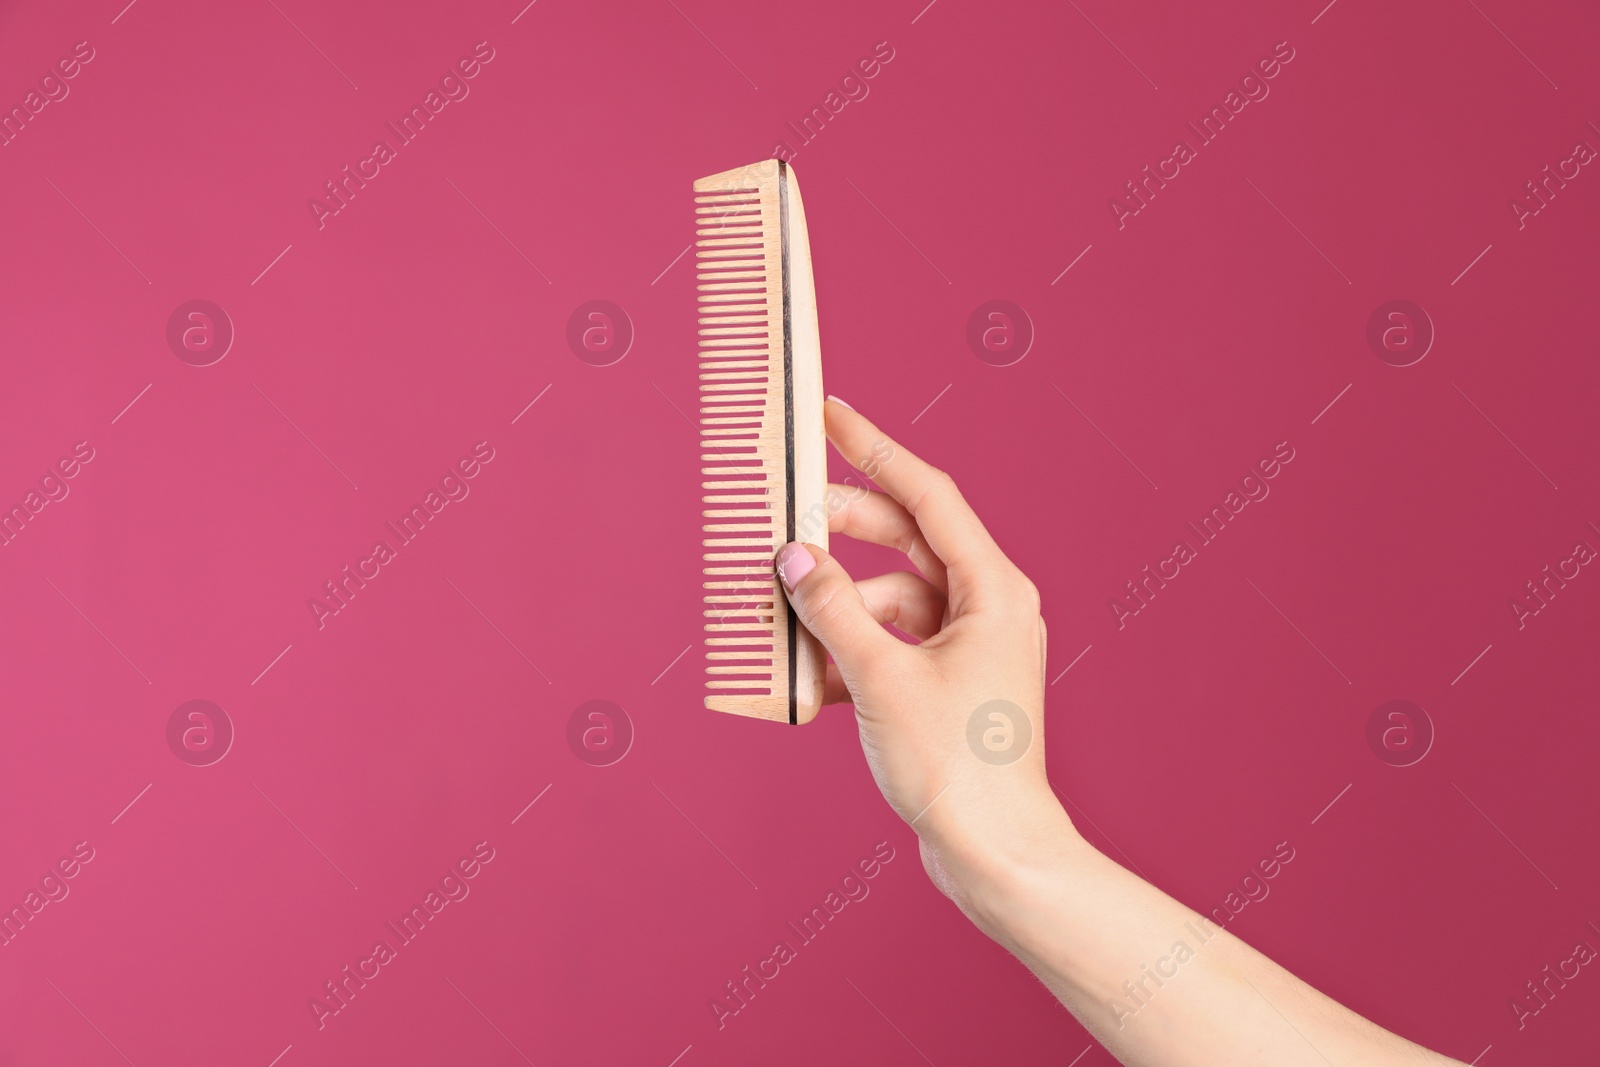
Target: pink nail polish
836 400
794 563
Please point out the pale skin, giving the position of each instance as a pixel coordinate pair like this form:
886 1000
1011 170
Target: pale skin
994 837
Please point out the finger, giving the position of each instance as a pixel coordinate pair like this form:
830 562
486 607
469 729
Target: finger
874 517
834 691
828 604
906 601
952 530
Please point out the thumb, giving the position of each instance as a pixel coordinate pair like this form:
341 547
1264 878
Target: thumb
830 606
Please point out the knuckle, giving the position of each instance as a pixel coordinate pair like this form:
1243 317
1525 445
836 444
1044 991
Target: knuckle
1023 595
828 602
939 482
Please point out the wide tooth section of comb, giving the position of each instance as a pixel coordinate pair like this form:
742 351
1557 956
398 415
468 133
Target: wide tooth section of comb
742 439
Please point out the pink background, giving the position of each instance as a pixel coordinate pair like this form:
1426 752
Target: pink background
377 751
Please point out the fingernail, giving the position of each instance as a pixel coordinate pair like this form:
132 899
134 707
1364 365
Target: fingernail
794 563
836 400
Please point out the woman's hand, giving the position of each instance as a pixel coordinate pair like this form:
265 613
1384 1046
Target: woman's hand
953 727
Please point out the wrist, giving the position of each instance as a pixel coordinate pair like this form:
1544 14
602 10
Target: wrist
990 868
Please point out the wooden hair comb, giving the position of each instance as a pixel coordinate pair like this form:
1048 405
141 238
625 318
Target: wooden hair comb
762 444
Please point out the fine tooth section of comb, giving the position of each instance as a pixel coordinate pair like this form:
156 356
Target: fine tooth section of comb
743 428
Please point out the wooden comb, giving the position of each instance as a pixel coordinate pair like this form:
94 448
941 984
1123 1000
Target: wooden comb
762 443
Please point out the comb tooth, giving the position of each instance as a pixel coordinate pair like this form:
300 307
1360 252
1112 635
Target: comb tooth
741 287
745 251
725 342
730 391
727 368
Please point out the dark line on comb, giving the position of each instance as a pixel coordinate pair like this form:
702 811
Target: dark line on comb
788 430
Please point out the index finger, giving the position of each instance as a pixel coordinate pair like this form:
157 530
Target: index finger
948 523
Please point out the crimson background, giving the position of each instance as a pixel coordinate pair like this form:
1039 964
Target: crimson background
1221 320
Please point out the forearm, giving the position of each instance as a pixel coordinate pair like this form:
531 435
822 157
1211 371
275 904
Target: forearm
1156 983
